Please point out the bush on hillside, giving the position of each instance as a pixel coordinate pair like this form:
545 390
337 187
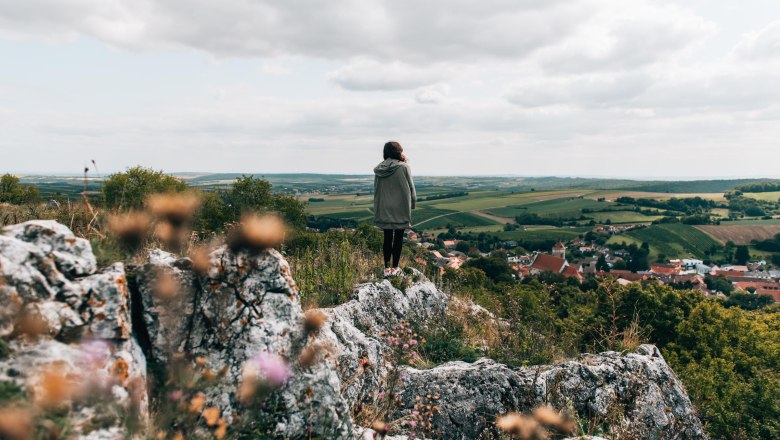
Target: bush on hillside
130 189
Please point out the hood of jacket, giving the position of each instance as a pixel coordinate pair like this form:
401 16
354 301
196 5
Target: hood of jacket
387 167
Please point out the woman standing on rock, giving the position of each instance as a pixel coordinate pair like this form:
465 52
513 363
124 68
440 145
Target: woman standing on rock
394 199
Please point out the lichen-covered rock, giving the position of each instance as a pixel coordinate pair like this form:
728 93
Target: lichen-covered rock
639 386
69 329
354 327
107 311
244 305
636 393
72 255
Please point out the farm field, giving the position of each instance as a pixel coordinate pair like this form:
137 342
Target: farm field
772 196
622 217
543 233
455 219
673 239
560 207
612 195
741 233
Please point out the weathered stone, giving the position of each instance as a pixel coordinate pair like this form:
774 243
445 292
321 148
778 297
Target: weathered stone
639 386
72 255
244 305
42 269
107 311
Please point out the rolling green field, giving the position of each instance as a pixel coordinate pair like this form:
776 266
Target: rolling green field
676 240
618 217
562 207
769 196
543 233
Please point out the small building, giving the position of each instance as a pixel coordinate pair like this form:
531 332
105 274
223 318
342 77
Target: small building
559 250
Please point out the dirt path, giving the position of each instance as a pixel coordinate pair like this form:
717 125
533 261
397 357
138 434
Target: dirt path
434 218
502 220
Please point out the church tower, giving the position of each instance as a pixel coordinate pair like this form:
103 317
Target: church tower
559 250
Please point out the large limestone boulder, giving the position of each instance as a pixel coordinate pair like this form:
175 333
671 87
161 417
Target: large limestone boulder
636 394
243 305
67 330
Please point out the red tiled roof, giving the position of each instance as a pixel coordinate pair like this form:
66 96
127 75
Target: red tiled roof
769 285
666 269
571 271
775 294
548 263
625 274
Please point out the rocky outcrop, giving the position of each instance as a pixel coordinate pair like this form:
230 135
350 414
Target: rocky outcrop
242 306
636 394
67 329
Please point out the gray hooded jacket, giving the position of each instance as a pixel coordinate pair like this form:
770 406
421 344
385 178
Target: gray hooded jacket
394 195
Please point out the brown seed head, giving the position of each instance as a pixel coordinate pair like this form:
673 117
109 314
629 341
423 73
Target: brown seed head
130 228
256 232
175 208
313 320
201 261
54 388
211 415
16 423
166 286
524 427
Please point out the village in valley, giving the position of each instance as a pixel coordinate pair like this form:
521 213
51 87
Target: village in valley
601 262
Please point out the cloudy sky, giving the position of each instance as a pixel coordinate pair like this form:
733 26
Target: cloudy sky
632 88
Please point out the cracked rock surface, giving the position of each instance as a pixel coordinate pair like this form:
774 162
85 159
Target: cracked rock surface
50 283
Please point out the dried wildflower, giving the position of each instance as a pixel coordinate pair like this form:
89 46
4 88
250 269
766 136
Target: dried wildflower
166 286
54 388
130 228
308 356
380 427
313 320
256 232
271 368
550 417
524 427
211 415
176 209
221 430
197 403
201 261
547 416
16 423
31 324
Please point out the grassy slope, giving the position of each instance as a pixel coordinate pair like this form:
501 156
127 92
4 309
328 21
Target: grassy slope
676 240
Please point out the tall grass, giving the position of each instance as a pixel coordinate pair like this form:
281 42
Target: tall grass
327 267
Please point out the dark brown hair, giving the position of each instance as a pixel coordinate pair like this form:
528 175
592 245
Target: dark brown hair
394 150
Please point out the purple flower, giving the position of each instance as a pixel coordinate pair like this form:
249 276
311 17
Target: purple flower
176 395
272 368
406 346
413 342
412 423
94 352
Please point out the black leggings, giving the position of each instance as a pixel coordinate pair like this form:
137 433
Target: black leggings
394 239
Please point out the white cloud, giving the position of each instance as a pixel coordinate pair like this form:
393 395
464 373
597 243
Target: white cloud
366 74
432 94
761 44
534 86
